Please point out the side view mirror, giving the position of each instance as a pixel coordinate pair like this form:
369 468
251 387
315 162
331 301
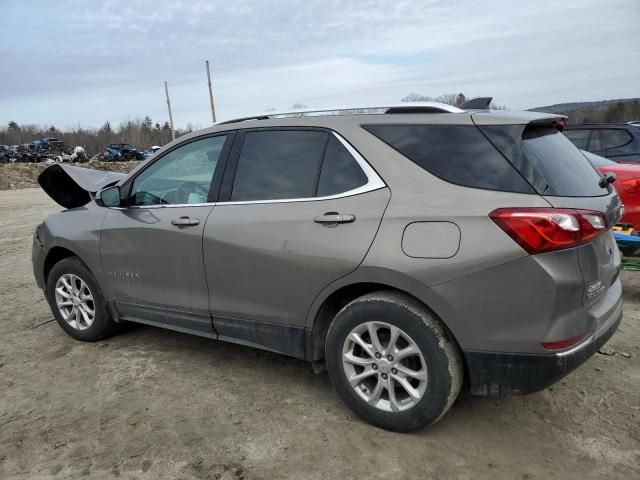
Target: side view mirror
110 197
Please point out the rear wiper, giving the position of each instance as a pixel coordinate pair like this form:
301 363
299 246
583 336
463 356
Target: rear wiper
606 179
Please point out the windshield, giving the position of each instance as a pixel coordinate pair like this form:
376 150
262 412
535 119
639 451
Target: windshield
565 170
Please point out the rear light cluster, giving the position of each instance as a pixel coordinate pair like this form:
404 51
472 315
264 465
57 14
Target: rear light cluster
631 186
539 230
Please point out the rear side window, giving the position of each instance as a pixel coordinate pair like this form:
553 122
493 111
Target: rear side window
457 154
279 164
617 137
596 145
566 171
340 171
580 138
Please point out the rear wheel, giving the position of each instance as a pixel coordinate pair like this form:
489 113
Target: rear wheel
392 362
77 301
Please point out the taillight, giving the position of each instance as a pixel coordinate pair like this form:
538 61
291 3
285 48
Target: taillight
631 186
539 230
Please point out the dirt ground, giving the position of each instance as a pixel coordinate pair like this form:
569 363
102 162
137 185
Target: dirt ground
154 404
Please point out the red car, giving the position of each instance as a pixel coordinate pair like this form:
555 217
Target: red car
627 185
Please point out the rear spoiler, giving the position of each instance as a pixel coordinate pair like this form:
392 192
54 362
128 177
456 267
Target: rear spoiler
480 103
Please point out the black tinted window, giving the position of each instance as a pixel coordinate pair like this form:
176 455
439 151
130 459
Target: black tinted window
457 154
277 164
340 171
580 138
567 172
616 137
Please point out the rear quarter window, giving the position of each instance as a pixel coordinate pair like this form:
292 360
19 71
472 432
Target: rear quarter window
456 154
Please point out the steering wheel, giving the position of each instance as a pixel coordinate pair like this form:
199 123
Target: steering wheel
187 188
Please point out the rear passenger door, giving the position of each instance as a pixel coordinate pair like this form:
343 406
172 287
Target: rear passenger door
299 209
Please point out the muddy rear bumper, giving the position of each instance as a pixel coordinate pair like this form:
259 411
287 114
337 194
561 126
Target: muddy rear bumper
494 374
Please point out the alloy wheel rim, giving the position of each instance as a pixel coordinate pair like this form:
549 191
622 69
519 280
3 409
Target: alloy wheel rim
75 301
384 366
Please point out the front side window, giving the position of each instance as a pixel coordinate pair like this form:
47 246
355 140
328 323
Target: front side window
279 164
182 176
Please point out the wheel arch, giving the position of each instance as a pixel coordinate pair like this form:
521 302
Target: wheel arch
316 333
56 254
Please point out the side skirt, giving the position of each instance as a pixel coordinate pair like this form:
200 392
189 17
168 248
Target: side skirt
284 339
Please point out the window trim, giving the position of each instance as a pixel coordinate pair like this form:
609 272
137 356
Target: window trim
374 182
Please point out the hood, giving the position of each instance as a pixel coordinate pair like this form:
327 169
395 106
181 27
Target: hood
72 186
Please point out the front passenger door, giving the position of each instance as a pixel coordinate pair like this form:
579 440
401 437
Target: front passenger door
151 249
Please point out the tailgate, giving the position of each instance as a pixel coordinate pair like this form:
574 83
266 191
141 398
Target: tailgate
599 260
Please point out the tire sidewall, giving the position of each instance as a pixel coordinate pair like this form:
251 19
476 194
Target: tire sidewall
423 330
101 322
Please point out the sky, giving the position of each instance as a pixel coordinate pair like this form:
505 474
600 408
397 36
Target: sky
70 63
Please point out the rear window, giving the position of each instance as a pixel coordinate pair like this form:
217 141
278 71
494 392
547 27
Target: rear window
456 154
597 160
566 171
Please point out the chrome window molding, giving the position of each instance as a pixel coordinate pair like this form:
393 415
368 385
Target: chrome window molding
374 182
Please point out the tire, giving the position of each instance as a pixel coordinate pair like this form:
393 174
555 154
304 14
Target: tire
77 274
387 313
125 156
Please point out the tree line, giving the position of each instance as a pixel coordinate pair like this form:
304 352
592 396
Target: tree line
141 133
144 133
619 112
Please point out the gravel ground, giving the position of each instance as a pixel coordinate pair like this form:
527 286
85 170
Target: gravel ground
154 404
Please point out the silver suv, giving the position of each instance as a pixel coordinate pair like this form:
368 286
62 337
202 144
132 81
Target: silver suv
411 249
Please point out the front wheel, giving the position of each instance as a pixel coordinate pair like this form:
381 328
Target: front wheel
392 362
77 301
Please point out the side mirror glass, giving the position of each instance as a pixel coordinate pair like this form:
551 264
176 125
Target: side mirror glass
110 197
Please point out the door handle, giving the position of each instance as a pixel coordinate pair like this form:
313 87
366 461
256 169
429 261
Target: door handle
333 218
185 222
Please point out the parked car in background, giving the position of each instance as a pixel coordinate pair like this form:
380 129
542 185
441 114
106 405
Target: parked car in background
4 154
411 251
619 142
52 144
123 152
627 185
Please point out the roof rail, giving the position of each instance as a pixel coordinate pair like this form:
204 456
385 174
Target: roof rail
405 107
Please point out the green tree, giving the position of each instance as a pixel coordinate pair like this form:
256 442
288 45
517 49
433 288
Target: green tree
13 126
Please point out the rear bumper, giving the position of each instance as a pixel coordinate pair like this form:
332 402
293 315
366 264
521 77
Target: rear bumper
494 374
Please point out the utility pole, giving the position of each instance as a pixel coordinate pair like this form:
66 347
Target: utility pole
213 108
166 91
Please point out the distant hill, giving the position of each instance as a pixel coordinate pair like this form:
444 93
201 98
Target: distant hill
602 111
